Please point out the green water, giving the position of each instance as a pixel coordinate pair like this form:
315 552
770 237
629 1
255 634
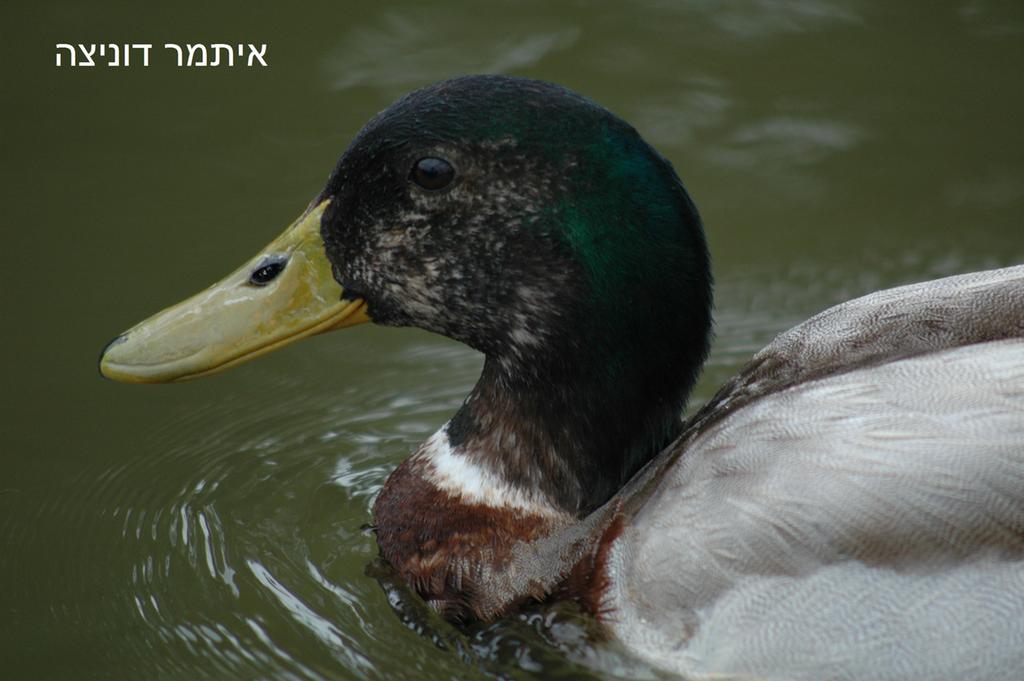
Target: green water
214 529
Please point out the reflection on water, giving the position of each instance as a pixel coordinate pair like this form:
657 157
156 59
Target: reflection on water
238 523
217 529
752 20
400 52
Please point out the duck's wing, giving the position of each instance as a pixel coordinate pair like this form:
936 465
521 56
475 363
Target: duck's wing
848 521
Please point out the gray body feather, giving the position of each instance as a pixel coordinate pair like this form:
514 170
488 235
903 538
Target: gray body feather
850 507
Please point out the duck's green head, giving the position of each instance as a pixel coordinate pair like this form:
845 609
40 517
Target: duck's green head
521 219
512 215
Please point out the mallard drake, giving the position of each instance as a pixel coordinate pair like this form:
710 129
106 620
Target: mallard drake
851 505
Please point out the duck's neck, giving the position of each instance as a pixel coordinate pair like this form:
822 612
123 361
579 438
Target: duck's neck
524 459
566 439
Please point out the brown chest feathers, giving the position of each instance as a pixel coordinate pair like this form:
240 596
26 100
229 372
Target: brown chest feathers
471 561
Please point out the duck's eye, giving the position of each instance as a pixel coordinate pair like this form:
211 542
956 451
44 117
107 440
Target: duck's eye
432 173
268 270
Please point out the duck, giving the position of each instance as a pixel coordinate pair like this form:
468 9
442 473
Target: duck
849 506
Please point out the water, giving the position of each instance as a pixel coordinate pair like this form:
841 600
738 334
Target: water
215 529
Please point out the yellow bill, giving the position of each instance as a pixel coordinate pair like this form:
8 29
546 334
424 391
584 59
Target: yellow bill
285 293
